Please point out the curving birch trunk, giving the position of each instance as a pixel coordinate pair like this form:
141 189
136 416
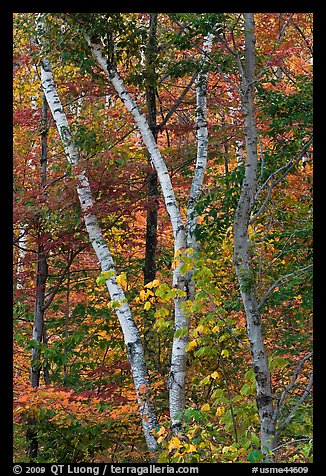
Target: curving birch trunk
131 334
176 381
178 369
241 247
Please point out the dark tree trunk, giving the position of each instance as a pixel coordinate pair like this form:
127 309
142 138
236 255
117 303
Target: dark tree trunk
39 332
38 327
152 187
41 270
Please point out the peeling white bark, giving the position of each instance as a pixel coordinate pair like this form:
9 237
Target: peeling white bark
130 331
147 136
22 244
241 248
202 145
176 381
178 369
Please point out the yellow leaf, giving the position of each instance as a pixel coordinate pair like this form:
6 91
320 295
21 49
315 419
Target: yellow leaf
143 295
191 448
178 252
215 375
220 411
152 284
174 443
122 280
149 285
205 408
198 329
225 353
191 345
147 305
161 431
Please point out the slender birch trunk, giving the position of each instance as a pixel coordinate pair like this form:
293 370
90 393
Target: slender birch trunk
131 335
38 325
178 368
22 242
242 254
201 159
176 380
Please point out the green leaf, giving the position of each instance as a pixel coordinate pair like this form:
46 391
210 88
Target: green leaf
205 380
279 362
246 389
181 332
217 393
249 375
104 276
255 456
255 439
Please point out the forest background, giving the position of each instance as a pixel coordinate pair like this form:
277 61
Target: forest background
162 274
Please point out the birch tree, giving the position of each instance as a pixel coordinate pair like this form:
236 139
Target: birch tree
178 369
242 253
130 332
201 158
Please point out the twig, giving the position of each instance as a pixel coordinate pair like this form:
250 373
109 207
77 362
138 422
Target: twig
279 280
294 409
54 181
288 167
291 442
61 279
177 102
291 385
278 41
229 329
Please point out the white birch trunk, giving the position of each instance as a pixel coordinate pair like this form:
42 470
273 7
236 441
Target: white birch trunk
178 369
202 145
201 161
147 136
22 243
241 248
130 331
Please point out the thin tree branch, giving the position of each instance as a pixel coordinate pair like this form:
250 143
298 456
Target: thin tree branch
288 166
229 329
54 181
291 385
291 443
61 279
177 103
280 280
294 409
302 35
278 41
29 250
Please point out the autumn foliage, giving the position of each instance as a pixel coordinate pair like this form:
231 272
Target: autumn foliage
85 407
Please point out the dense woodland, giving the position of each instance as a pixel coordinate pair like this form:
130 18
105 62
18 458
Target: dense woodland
162 237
